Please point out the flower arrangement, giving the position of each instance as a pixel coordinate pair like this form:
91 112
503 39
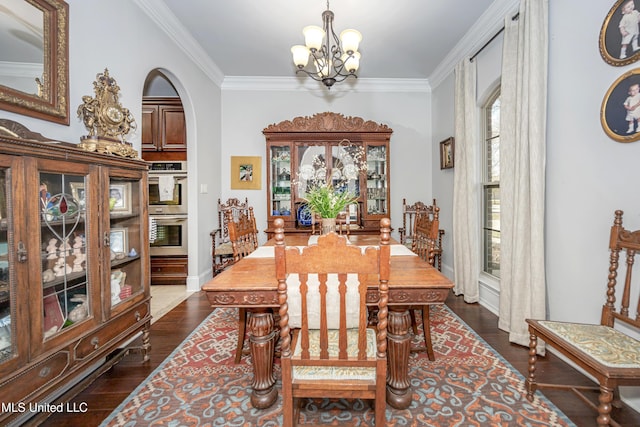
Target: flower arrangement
328 198
324 200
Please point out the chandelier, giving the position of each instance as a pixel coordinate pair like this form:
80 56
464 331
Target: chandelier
333 58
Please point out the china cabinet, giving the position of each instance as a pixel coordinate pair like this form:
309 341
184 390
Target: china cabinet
74 262
348 152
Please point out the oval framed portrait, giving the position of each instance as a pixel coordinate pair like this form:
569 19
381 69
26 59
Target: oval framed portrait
620 112
619 44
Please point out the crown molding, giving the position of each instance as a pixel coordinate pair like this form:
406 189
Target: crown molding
20 69
491 21
360 85
159 13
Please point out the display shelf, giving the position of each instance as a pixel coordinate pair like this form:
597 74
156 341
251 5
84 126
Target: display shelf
312 149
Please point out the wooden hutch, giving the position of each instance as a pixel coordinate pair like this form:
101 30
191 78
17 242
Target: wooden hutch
293 150
74 266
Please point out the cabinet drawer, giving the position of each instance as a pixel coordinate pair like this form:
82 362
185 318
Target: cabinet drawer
112 330
37 376
169 270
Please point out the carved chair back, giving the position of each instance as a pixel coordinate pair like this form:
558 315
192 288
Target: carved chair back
424 241
409 213
243 234
221 248
330 279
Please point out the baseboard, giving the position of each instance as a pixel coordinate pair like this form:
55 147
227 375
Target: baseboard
194 283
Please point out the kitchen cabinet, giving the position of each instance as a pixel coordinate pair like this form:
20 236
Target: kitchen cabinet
323 148
74 266
164 135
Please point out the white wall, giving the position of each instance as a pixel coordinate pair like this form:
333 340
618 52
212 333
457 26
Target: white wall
117 35
588 174
245 113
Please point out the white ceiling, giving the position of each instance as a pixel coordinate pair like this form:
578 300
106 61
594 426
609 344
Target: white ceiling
401 38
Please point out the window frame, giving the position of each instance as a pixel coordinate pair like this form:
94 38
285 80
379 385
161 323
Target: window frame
485 184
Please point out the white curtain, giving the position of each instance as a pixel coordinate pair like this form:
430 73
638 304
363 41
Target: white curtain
522 169
465 184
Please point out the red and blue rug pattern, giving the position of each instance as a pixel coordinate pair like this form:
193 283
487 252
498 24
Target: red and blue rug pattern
468 384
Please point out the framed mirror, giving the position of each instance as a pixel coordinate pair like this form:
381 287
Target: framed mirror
34 56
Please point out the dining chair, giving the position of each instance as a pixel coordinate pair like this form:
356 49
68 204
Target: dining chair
608 351
409 213
243 236
221 250
424 243
322 295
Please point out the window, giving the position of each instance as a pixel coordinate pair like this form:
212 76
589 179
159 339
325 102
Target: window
491 186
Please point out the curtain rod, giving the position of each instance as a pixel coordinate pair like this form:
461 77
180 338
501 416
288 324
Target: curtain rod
513 18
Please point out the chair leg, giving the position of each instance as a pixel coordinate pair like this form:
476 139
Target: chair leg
604 408
530 382
414 324
426 329
242 326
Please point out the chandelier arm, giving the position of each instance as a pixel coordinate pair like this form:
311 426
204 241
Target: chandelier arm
330 66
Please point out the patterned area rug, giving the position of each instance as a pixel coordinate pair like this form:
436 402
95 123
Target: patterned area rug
468 384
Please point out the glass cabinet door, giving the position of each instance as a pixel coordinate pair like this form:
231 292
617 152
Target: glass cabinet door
65 254
124 239
7 326
280 178
377 170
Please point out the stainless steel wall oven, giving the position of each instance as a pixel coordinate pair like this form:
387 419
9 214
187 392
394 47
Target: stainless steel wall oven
168 188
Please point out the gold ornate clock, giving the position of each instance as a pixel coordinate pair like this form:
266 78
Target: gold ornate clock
106 119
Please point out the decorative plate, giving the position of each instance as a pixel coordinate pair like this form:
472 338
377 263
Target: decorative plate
306 171
304 215
350 172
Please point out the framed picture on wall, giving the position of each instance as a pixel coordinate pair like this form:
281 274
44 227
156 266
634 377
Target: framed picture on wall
620 112
446 153
619 43
246 172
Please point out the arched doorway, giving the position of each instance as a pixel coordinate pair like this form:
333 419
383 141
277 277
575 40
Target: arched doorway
164 145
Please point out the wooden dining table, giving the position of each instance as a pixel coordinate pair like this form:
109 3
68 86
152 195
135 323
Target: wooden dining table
251 283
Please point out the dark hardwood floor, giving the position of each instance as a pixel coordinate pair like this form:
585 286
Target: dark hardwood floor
110 389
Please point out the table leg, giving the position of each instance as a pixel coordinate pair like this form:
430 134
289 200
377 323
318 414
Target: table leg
262 338
398 349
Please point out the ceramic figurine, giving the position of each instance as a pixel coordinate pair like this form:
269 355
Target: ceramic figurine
61 268
48 275
52 249
80 311
77 262
65 248
117 278
77 245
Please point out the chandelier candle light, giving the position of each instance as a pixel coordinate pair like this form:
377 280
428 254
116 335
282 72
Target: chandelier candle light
334 58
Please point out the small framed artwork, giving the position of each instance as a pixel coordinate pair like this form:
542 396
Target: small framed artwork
120 197
77 192
118 240
619 34
446 153
620 112
246 172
